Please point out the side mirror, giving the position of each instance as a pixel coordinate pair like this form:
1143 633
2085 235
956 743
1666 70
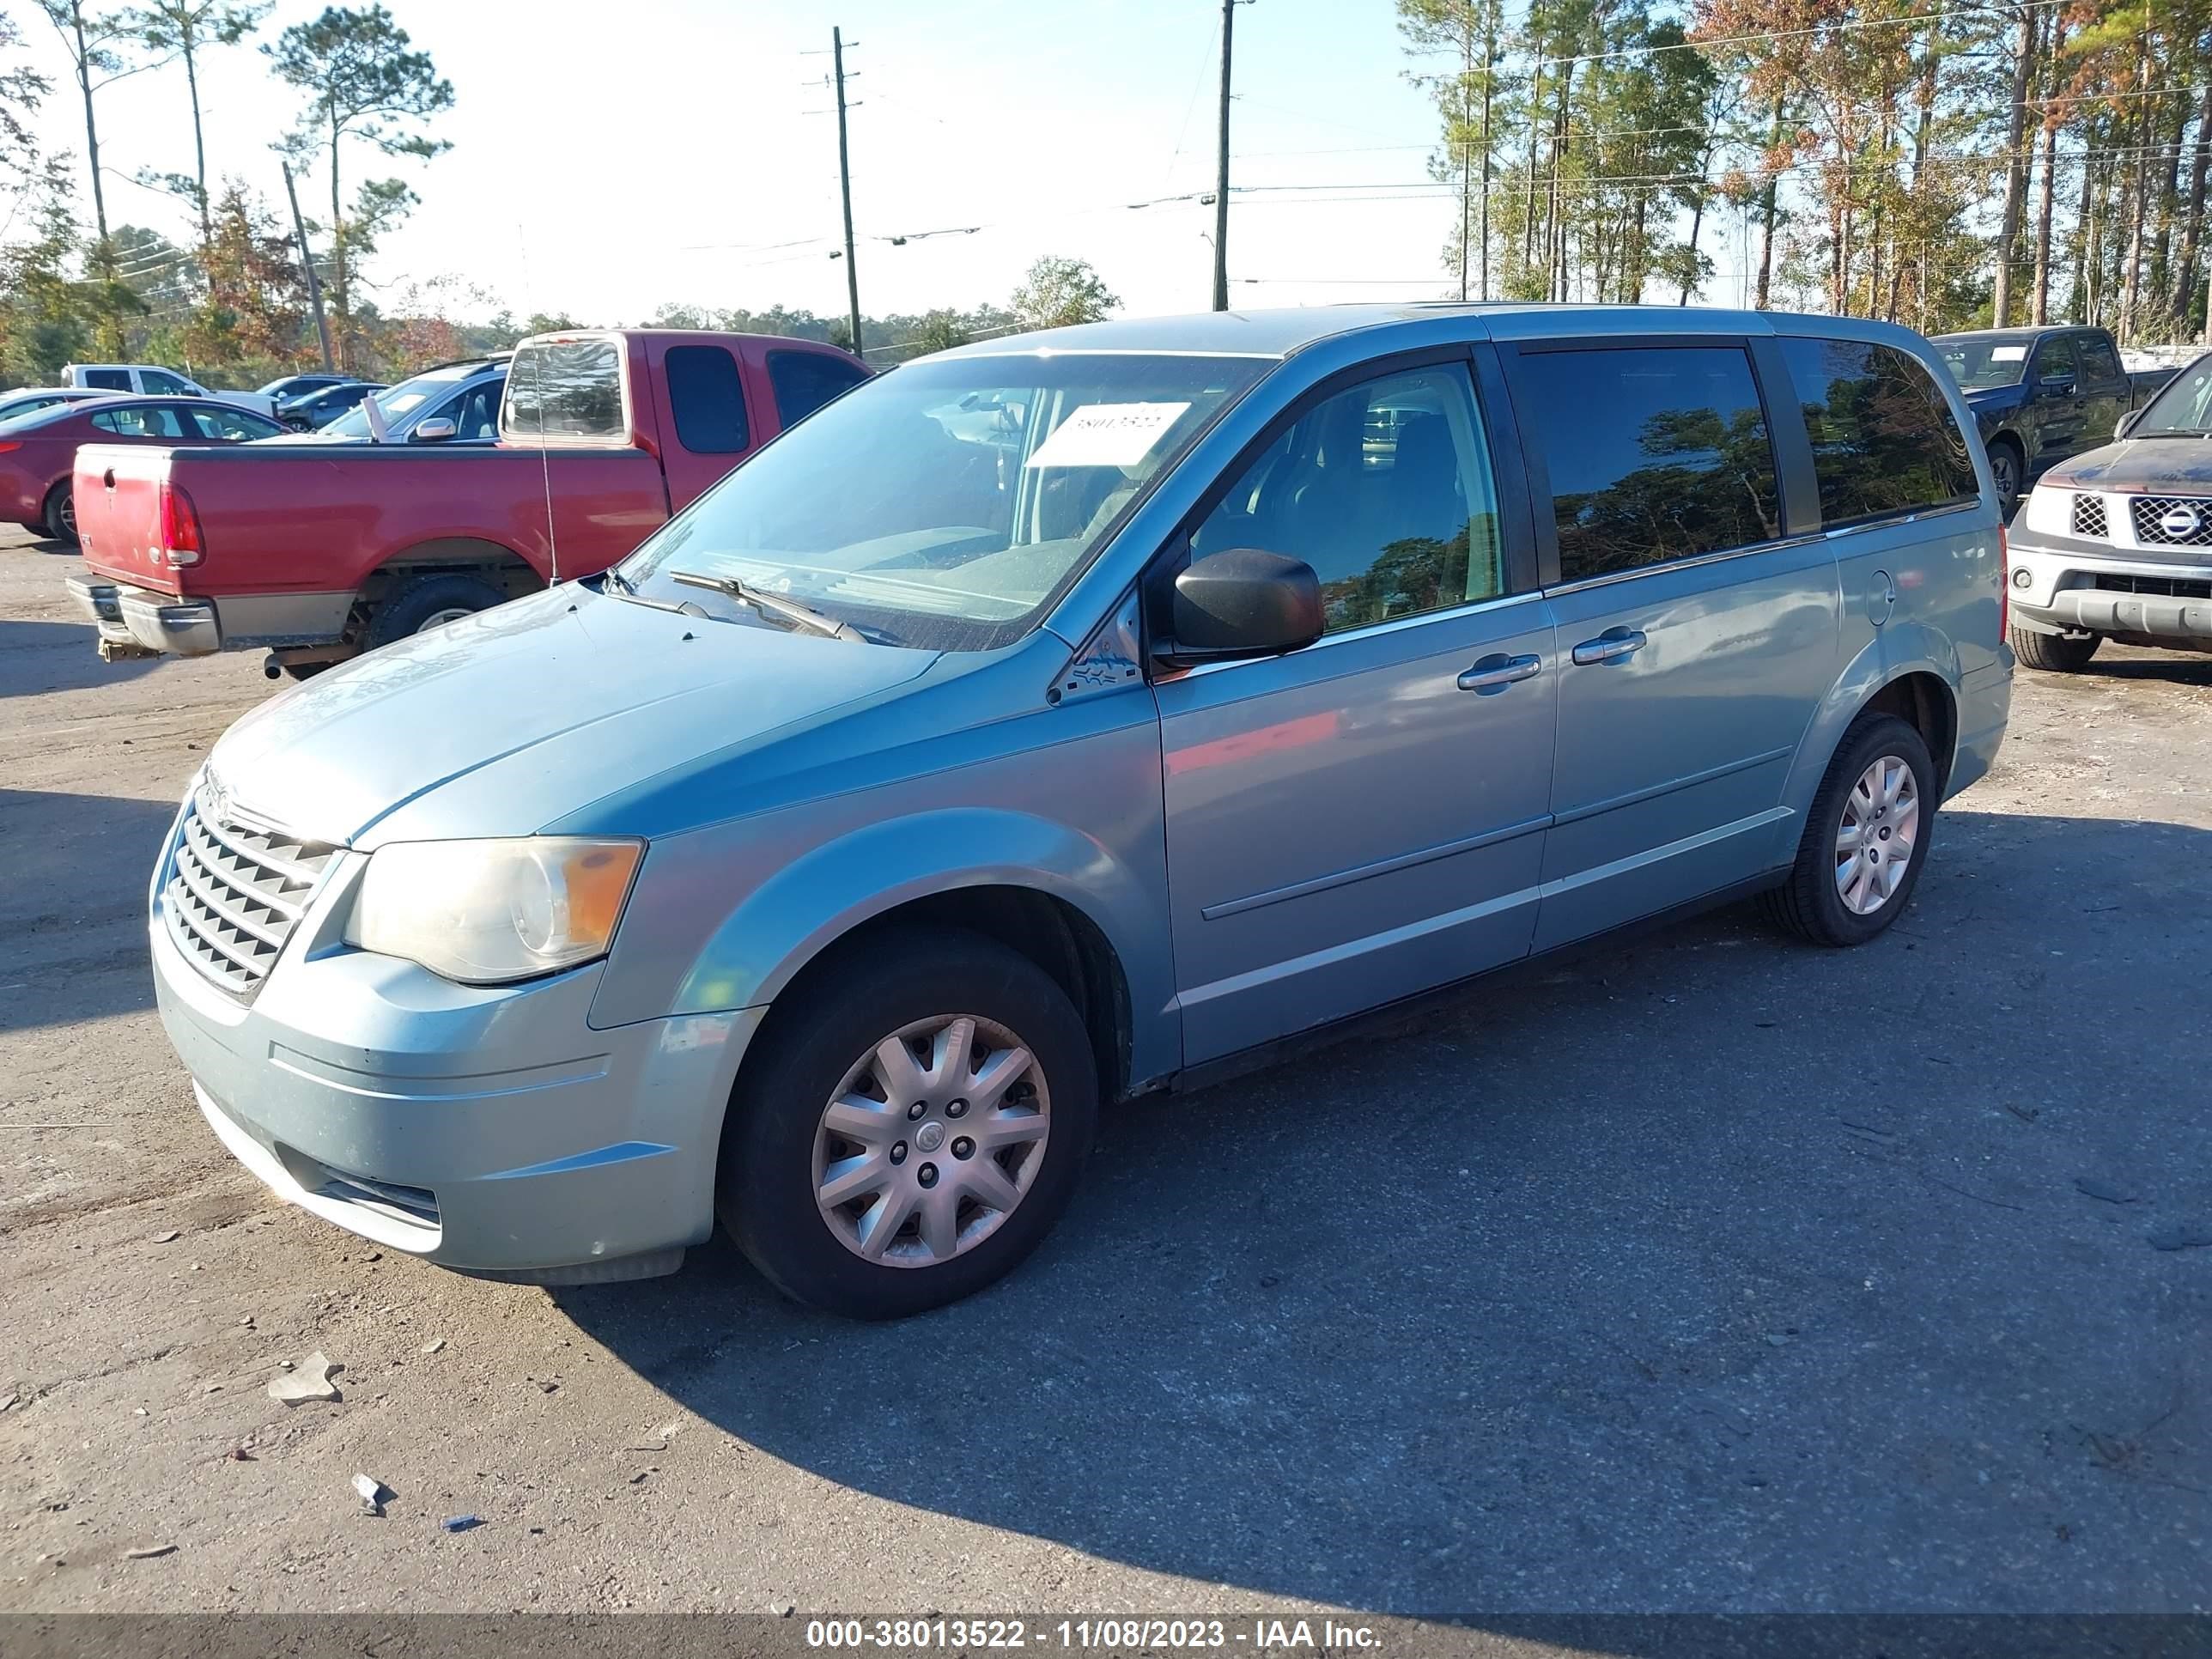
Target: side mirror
2126 424
1241 603
2057 386
436 430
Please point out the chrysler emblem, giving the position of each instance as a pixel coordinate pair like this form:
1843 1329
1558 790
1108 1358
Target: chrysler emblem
214 799
2180 521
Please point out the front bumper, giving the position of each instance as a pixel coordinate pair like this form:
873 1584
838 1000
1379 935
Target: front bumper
486 1129
2071 590
147 621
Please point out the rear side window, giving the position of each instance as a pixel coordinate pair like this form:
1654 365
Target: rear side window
1883 439
805 380
108 379
2099 360
566 390
709 399
1656 453
141 421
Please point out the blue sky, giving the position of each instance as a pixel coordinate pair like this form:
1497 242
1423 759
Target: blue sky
611 157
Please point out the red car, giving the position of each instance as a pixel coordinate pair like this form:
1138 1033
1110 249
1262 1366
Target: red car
37 451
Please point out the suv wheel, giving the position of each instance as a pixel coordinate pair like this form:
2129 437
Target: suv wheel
913 1127
429 602
1865 840
60 512
2054 652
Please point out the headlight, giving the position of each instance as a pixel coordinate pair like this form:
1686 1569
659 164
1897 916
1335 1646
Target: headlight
484 912
2049 511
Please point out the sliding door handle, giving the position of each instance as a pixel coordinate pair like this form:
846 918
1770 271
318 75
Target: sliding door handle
1496 672
1611 646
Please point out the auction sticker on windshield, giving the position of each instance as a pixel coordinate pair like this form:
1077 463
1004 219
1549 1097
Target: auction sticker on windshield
1107 435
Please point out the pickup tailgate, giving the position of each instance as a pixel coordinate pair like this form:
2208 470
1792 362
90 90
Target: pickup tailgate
119 515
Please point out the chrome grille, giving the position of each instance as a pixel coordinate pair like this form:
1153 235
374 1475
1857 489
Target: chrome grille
2172 520
2089 517
235 893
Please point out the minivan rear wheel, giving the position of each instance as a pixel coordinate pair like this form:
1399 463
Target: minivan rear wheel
1866 838
2055 653
912 1128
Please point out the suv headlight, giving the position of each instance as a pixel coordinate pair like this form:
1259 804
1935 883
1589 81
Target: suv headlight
2049 511
486 912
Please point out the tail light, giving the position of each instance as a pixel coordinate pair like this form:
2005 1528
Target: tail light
2004 581
180 527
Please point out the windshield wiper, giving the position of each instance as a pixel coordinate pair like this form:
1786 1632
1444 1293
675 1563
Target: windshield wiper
774 605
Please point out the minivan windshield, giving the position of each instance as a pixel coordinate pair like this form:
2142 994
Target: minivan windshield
2182 409
944 503
1979 362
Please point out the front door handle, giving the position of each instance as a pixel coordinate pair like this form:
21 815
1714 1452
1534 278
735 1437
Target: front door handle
1496 672
1611 646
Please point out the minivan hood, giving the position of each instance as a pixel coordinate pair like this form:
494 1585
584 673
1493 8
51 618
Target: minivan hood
2139 466
569 695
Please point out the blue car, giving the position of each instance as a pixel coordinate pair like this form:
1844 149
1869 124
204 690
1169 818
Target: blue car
1060 718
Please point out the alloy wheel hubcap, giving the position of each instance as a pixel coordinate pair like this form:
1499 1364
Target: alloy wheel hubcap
438 619
1880 827
932 1140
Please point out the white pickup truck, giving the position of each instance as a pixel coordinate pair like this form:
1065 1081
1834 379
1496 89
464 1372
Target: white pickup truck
151 380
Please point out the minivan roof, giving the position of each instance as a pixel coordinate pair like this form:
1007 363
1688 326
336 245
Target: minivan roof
1281 333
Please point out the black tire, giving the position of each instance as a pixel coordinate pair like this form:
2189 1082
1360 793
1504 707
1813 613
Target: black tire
2055 653
766 1194
60 512
411 608
1809 904
2009 471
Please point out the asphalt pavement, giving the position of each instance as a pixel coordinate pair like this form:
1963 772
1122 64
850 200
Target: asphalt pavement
1701 1271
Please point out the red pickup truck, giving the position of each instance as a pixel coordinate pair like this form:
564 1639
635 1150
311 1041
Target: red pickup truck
315 552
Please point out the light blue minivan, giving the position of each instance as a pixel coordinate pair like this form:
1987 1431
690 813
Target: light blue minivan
1062 718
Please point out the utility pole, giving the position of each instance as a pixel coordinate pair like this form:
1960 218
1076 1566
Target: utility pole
845 184
1221 181
308 264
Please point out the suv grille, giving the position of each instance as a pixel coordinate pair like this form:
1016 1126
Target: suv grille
2089 517
235 895
2179 588
2173 520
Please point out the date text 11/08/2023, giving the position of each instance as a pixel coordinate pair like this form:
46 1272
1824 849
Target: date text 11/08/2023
1089 1635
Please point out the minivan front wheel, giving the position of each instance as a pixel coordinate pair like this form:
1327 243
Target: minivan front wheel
1866 839
913 1127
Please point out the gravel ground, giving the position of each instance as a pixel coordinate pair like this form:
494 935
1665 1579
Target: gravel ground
1701 1271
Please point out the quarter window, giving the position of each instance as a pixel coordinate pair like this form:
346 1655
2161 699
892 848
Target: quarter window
805 380
1385 490
709 399
1883 439
1655 453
